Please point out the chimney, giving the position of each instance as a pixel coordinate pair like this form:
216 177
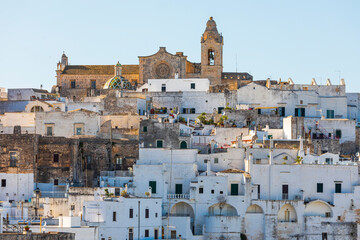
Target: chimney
250 157
301 148
150 191
239 141
208 168
188 122
271 143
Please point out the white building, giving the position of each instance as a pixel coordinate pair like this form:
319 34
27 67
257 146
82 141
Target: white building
178 85
16 186
125 218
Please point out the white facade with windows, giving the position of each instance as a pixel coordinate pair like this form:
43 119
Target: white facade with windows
178 85
16 186
125 218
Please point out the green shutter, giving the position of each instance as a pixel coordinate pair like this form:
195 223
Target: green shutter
235 189
178 188
152 184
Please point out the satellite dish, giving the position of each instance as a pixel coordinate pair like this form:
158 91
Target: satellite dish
357 154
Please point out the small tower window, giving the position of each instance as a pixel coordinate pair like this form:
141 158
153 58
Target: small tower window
211 57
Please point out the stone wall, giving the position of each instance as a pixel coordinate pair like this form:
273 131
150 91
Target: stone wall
251 119
38 236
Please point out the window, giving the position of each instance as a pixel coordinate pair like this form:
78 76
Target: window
145 129
56 157
192 86
73 84
338 133
79 131
234 189
163 87
3 182
212 191
189 111
156 234
131 234
156 214
88 162
259 111
305 88
147 213
173 234
221 192
13 159
131 213
220 110
299 112
118 164
324 236
330 113
178 188
93 84
216 160
301 102
114 216
320 187
337 187
285 191
329 160
211 57
159 143
147 233
201 190
152 184
72 207
282 111
117 192
79 128
49 131
56 182
258 192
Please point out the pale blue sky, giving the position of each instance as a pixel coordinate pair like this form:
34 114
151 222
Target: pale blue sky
297 39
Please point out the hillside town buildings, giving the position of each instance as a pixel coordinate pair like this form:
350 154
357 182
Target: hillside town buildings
172 149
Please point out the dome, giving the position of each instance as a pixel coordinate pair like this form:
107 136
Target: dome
118 82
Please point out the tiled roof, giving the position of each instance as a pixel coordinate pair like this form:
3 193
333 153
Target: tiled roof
99 69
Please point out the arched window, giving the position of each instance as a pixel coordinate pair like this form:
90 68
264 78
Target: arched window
211 57
37 109
183 145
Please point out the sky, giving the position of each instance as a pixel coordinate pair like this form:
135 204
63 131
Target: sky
277 39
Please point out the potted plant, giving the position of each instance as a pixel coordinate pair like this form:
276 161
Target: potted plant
147 194
27 228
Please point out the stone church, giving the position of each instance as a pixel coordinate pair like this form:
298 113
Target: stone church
78 81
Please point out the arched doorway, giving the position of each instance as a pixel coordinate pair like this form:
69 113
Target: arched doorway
222 209
287 213
318 208
183 145
36 109
182 209
254 222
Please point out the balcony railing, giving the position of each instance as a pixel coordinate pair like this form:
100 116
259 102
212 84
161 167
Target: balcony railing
285 196
118 173
53 194
178 196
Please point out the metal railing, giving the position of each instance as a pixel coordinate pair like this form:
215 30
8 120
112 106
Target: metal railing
285 196
54 194
178 196
117 173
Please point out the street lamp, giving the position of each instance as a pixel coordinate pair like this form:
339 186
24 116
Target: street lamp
37 196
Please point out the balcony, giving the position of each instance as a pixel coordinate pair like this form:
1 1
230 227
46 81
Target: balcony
178 196
118 173
53 194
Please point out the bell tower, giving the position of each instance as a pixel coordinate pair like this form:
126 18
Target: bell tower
212 53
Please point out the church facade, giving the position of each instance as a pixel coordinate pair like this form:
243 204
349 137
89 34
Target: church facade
78 81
